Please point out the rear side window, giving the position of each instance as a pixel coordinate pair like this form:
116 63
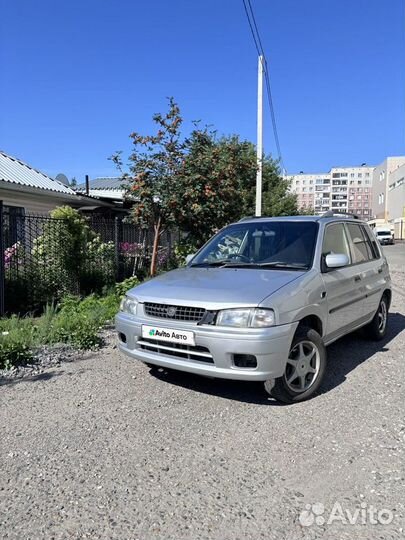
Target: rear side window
335 241
360 245
372 241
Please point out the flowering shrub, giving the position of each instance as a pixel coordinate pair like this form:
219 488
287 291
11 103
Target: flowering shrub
130 249
11 255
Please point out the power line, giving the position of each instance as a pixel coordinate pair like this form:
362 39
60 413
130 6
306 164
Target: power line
260 51
251 29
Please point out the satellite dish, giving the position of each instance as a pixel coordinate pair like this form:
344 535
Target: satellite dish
62 178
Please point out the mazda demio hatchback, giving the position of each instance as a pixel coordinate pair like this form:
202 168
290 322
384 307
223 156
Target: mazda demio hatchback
261 301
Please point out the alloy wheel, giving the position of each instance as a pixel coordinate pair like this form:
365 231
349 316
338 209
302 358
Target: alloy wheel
382 316
303 366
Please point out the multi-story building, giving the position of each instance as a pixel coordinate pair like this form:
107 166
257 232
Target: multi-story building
389 194
343 189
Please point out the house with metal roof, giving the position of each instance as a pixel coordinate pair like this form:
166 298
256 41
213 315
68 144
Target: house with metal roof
24 189
110 188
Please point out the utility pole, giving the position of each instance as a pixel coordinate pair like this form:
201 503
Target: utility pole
259 138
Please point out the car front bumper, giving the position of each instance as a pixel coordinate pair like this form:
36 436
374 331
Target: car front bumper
270 346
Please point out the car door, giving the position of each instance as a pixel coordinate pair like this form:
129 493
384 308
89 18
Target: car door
369 264
343 287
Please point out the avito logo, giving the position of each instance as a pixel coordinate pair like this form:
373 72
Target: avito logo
152 332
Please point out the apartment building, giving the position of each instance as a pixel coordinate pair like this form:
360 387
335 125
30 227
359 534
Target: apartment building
389 194
343 189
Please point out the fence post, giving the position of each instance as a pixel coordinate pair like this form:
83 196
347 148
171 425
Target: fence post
2 270
116 247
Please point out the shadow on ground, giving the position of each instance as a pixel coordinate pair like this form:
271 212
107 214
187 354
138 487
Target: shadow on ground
343 357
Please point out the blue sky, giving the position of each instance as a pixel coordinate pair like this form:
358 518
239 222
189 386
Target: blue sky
78 76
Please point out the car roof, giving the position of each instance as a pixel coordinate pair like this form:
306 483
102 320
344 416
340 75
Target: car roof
322 219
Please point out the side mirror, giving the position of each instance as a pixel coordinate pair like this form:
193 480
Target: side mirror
189 257
336 260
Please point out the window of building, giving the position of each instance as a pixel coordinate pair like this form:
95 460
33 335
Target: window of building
360 175
351 175
367 182
367 175
13 224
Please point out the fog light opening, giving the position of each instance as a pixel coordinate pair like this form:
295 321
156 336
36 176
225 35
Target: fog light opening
122 337
245 360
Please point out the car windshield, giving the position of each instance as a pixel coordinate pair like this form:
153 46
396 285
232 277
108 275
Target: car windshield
267 244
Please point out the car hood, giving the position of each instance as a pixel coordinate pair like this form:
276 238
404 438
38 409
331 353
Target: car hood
214 288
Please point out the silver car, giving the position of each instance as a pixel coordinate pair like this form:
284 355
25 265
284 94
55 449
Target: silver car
261 301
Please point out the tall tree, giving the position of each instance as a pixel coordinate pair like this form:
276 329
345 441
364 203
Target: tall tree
154 166
217 185
213 184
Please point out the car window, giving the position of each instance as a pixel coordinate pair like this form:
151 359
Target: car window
372 241
270 243
335 241
362 250
229 243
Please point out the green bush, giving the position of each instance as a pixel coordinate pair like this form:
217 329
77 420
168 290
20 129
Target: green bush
122 288
75 321
17 337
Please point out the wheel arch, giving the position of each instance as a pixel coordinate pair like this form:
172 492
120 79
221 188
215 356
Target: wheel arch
388 294
312 321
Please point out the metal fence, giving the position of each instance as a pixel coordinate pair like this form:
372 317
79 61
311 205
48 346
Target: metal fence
44 258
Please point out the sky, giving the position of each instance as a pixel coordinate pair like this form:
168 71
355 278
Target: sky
78 76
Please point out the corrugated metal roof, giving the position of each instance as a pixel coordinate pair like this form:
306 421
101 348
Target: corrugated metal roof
105 193
108 182
17 172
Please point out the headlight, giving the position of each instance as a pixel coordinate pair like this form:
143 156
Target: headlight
244 318
128 305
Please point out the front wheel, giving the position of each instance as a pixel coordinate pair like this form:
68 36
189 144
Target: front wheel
305 368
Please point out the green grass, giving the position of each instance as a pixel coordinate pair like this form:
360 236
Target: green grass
75 321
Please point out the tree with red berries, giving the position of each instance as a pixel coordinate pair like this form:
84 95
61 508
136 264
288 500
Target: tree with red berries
154 167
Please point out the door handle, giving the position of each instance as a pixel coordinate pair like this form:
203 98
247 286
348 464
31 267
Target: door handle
357 278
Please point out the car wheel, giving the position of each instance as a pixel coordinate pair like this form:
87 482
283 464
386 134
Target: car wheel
304 371
377 328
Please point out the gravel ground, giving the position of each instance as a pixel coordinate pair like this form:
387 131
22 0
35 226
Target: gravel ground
99 447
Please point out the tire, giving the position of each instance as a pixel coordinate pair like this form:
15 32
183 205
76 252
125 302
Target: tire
377 328
308 346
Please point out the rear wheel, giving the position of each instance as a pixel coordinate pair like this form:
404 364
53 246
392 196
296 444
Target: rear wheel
305 368
377 328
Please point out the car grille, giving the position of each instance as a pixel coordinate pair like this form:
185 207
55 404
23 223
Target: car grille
186 352
177 313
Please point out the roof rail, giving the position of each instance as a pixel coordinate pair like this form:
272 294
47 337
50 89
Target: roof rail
246 218
332 213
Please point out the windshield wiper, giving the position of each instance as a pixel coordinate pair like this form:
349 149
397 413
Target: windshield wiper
207 263
229 264
282 264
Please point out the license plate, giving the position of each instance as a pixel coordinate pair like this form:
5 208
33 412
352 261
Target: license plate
168 334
